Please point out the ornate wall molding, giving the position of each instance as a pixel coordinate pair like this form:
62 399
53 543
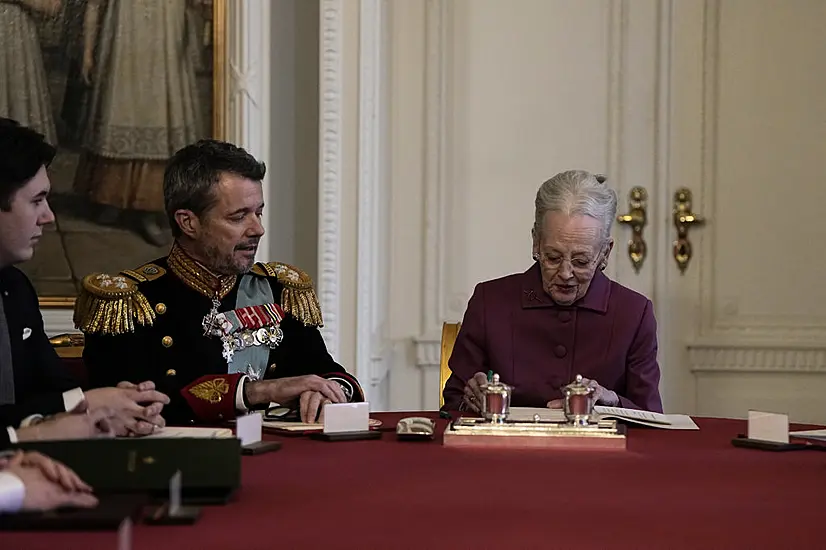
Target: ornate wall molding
372 185
372 276
437 141
720 315
331 89
428 352
757 359
438 70
616 48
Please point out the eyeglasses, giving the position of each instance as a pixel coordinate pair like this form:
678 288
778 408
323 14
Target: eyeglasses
578 265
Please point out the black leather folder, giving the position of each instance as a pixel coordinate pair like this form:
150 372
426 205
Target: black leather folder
210 468
110 513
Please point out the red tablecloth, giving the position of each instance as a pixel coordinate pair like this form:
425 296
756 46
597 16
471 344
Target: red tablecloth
670 490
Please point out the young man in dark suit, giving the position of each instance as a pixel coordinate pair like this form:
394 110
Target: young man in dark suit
34 383
39 399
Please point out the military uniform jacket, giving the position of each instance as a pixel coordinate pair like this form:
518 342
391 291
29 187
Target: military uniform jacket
148 324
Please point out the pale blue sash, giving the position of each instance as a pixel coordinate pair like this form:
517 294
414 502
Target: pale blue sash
253 291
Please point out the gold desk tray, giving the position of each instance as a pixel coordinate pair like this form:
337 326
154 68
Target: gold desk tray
474 432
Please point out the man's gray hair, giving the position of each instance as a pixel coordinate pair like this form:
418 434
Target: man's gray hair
576 193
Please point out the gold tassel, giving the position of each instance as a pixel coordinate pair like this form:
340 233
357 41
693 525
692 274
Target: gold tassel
298 298
303 305
111 305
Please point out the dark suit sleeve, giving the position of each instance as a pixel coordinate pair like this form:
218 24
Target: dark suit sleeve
5 442
53 372
469 352
51 377
303 351
642 370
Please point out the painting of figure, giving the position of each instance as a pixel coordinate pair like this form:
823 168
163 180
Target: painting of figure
118 86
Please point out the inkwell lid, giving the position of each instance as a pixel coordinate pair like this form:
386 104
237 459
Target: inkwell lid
495 386
577 387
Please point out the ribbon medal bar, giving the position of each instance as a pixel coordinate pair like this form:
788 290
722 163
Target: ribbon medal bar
249 326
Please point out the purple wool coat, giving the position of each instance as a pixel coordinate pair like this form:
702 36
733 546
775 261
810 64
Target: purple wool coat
513 328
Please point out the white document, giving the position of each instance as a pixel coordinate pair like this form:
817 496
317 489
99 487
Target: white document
648 418
817 435
645 418
633 414
289 426
675 422
176 432
766 426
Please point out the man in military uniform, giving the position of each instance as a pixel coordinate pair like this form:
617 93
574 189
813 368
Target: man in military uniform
218 333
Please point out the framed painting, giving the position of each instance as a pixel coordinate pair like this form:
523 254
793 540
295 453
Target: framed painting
117 86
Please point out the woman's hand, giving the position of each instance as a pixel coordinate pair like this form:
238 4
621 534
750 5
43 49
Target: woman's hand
474 397
601 396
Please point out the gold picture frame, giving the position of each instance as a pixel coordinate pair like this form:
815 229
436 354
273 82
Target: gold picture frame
213 33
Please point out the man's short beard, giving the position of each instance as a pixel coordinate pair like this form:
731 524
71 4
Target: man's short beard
222 264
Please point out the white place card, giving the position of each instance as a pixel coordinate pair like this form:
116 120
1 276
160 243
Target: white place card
766 426
175 493
248 428
346 417
125 535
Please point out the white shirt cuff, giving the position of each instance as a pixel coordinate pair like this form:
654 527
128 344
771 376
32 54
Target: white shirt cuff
240 406
12 492
12 435
72 398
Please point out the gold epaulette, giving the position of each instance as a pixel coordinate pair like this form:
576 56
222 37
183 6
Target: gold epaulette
110 304
298 298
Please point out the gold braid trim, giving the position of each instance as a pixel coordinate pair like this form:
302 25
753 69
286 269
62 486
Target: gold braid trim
298 297
197 277
111 305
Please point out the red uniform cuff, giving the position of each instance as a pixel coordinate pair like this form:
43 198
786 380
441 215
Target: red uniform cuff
212 397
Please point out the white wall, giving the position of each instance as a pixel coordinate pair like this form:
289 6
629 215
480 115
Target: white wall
489 99
293 205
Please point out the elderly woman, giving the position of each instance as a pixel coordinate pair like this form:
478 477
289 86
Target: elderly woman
561 317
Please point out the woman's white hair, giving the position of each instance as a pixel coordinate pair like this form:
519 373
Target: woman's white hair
576 193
